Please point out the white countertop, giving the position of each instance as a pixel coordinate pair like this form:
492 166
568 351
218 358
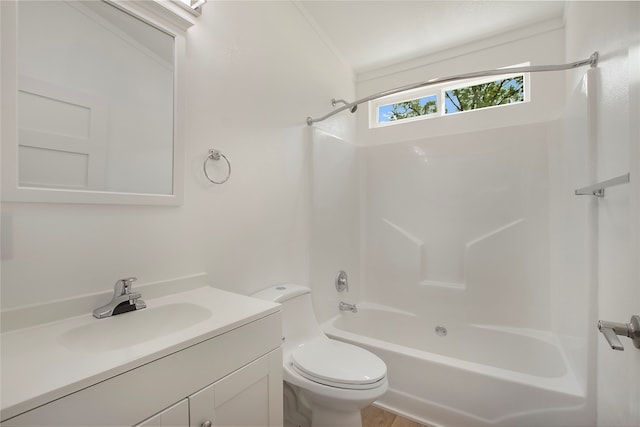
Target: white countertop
37 364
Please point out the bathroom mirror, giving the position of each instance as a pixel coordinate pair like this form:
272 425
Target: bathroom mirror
92 109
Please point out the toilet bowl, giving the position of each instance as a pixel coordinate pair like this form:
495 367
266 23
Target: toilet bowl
332 379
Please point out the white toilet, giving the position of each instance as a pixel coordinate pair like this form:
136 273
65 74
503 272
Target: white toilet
335 380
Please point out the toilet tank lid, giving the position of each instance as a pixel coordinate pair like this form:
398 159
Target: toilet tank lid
281 293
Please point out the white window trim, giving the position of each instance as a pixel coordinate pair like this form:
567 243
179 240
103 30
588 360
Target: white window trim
439 92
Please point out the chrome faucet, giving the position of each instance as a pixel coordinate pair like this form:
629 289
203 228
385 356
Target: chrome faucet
348 307
124 300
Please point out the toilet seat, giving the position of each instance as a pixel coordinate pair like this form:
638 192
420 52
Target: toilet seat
338 364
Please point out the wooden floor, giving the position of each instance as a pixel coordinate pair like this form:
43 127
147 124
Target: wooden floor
376 417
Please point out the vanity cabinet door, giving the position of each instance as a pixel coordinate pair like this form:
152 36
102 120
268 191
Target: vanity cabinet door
202 407
250 396
174 416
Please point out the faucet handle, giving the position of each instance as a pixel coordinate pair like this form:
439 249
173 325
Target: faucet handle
128 284
610 334
611 330
123 286
342 282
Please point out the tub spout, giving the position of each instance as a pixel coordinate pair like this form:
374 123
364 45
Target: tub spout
348 307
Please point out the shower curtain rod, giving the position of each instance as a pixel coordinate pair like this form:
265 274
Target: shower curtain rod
353 106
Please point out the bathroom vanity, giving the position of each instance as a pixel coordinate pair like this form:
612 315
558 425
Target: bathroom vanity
202 357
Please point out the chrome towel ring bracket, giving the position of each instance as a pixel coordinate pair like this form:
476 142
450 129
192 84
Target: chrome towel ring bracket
216 155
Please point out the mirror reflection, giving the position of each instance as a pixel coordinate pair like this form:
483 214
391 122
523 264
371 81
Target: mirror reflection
95 99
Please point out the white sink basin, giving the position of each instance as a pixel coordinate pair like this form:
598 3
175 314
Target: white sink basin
135 327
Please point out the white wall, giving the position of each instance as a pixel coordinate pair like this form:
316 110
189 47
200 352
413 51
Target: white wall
613 29
255 71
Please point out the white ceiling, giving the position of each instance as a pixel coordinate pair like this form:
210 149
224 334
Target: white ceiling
375 33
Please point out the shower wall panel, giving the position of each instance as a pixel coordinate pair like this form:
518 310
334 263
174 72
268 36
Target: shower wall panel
335 220
459 224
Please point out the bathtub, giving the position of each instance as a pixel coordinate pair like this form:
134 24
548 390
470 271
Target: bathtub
453 374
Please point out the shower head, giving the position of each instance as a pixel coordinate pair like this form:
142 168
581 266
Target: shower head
353 108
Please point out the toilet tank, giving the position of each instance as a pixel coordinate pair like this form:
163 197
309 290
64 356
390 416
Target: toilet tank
299 322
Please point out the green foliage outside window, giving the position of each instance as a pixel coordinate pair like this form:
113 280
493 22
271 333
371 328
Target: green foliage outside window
413 108
500 92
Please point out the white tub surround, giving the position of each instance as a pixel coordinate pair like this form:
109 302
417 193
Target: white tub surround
446 372
68 359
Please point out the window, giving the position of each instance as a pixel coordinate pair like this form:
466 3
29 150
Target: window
446 99
408 109
498 92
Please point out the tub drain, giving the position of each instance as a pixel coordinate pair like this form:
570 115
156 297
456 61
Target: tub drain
441 331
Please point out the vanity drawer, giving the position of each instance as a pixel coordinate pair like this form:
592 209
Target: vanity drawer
128 398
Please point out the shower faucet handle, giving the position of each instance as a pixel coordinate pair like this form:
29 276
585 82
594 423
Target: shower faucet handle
342 282
611 330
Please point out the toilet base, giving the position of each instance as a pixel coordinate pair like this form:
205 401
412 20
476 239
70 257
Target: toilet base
305 409
296 412
331 406
329 417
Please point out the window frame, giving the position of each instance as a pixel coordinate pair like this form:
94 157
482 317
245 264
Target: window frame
439 92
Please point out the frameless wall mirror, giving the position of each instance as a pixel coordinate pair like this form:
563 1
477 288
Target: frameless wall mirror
95 103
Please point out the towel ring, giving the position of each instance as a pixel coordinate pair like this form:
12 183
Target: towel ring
215 155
